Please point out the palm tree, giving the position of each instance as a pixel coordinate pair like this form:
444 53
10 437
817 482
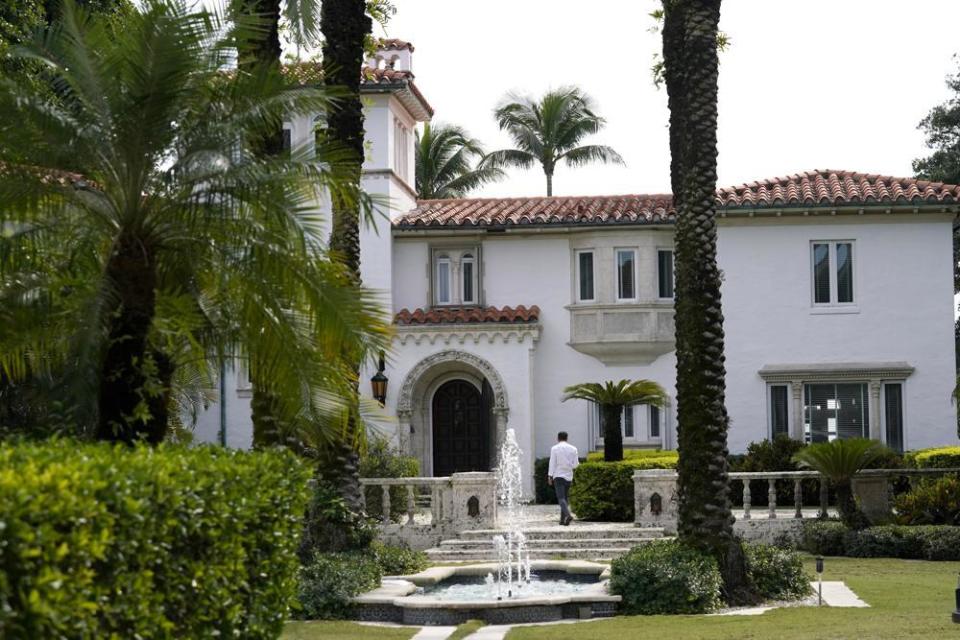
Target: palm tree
612 397
691 69
548 131
445 168
840 461
144 239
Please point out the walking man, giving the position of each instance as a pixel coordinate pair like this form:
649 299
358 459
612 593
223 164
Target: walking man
563 460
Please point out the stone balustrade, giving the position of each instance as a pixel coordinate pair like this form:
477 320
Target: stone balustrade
459 502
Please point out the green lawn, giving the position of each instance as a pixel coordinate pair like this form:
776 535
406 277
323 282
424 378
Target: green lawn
907 598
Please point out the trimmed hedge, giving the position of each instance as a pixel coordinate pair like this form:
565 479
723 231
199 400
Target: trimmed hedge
776 573
543 492
932 501
329 581
604 490
929 542
938 458
635 454
100 541
666 577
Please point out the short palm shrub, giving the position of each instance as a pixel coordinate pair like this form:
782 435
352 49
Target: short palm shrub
330 580
100 541
840 461
604 490
382 460
776 573
398 561
823 537
666 577
934 501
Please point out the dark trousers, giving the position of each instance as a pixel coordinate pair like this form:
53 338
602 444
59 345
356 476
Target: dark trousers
562 486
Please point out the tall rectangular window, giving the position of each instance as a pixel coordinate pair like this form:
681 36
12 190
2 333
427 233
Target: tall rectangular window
834 411
893 414
654 422
779 410
585 276
468 273
628 430
626 274
833 273
665 272
443 281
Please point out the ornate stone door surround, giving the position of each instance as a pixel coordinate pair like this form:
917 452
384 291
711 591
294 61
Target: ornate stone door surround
414 401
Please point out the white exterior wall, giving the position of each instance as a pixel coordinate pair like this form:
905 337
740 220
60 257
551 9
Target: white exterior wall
903 290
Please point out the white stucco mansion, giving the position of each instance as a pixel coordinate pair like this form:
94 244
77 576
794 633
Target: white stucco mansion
837 296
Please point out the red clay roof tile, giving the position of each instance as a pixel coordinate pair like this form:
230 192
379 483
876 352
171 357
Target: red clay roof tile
468 315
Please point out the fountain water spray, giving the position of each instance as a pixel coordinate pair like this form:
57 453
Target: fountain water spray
513 557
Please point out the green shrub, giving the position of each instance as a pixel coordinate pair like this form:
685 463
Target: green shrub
823 537
100 541
932 501
937 458
666 577
768 455
882 542
398 561
384 461
331 526
776 573
938 542
543 493
604 490
329 581
635 454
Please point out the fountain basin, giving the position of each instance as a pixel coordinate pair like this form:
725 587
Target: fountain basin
450 596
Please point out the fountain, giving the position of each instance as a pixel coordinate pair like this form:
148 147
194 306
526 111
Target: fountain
513 557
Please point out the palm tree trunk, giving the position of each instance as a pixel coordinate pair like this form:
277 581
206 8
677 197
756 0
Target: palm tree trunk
131 272
691 72
850 512
549 184
612 435
345 25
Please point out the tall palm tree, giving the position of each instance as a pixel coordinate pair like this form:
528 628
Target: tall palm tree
612 397
839 461
145 239
549 131
691 69
447 163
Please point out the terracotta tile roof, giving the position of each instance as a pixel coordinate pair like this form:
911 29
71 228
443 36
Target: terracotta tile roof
468 315
810 189
373 75
539 211
836 188
394 44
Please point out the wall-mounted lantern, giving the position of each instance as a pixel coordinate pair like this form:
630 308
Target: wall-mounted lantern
378 383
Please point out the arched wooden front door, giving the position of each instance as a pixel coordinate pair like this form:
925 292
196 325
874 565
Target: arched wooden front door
461 429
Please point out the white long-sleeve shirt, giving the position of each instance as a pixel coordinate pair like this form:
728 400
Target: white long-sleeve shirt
563 460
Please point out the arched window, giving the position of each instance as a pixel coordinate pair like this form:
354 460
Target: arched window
468 272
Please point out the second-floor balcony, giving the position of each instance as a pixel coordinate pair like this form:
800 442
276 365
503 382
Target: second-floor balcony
622 333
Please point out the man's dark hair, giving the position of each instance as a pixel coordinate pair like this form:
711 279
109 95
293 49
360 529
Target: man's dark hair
562 436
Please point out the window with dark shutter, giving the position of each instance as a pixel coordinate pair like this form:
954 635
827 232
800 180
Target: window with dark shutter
779 409
893 414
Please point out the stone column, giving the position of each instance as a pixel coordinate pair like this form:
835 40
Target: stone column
873 495
404 436
655 499
473 500
875 422
796 387
500 430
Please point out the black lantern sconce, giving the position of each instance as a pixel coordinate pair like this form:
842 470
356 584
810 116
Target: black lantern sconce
378 383
956 614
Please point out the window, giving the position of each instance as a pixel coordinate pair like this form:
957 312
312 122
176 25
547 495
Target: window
468 275
400 143
665 272
832 273
893 414
779 410
585 276
834 411
654 422
628 431
442 280
626 274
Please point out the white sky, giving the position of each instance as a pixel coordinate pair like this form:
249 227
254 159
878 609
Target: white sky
838 84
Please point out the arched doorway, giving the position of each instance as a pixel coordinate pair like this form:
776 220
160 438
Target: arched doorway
461 428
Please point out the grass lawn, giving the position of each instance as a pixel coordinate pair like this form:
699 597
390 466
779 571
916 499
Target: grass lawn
907 598
344 631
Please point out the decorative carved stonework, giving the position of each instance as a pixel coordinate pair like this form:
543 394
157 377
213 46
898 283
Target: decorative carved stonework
405 401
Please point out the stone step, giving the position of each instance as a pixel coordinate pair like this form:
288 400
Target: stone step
579 543
568 533
475 555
